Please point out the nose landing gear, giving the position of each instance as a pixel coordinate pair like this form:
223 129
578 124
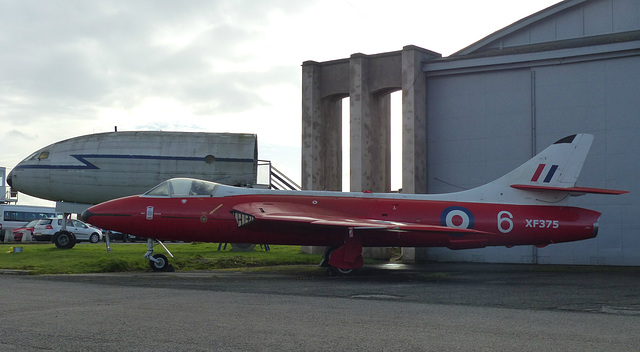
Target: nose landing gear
158 262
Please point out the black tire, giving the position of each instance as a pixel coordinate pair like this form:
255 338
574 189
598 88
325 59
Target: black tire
162 263
94 238
340 272
325 256
64 240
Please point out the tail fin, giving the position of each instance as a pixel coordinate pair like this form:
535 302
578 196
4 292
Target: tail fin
549 177
558 166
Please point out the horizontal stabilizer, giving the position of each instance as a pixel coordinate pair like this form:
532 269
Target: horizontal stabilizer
577 190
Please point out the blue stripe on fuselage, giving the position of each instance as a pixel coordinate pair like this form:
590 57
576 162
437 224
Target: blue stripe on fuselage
87 165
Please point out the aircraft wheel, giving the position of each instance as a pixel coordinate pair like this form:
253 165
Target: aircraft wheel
334 270
64 240
325 256
94 238
161 263
340 272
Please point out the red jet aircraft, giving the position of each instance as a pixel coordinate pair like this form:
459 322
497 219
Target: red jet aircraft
528 206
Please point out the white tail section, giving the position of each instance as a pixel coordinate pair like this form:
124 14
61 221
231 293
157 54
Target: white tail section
549 177
557 166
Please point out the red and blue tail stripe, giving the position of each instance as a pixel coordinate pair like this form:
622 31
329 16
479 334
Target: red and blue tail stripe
549 175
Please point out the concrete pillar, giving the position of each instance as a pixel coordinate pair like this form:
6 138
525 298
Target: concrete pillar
321 134
408 255
311 115
332 143
370 135
359 123
414 119
381 149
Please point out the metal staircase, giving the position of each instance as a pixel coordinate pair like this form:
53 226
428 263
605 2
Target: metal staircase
276 179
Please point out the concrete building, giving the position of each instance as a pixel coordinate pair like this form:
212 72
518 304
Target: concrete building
473 116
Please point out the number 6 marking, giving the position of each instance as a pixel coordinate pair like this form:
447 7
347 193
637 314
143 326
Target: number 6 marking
505 216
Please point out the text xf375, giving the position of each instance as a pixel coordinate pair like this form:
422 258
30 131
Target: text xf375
542 224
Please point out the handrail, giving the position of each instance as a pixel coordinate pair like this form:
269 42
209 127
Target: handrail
277 179
284 180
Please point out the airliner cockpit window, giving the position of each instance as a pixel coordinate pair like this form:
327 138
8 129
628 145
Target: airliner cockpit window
38 155
33 156
161 190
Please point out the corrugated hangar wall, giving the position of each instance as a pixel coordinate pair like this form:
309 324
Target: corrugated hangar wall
482 125
488 115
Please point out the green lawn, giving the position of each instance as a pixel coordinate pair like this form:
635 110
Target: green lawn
93 258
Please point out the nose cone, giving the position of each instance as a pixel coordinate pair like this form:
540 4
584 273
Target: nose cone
100 215
10 179
86 215
115 215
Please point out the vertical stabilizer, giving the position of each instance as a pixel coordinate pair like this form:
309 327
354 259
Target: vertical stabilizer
559 165
549 177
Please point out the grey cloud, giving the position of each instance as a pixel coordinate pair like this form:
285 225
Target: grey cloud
82 55
17 136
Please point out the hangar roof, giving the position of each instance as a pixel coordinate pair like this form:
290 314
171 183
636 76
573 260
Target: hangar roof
570 23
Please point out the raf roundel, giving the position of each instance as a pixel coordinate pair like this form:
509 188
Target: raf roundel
458 217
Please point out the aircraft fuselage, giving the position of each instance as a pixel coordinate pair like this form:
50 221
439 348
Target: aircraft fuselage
98 167
212 219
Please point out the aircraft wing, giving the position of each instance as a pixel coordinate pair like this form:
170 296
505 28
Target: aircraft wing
316 216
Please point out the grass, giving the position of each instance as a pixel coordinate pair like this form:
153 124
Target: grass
93 258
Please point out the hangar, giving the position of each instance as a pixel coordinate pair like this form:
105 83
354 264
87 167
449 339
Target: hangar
471 117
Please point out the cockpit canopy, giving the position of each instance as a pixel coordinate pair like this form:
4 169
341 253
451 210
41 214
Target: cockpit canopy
183 187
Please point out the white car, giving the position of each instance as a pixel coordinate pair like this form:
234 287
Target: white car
46 228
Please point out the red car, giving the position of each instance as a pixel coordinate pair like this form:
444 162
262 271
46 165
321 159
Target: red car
20 231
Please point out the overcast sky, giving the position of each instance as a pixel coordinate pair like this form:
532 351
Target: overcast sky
70 68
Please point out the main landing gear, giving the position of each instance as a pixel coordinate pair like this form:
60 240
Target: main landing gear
64 239
158 262
345 259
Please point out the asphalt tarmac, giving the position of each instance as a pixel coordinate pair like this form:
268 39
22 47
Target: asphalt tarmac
437 307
